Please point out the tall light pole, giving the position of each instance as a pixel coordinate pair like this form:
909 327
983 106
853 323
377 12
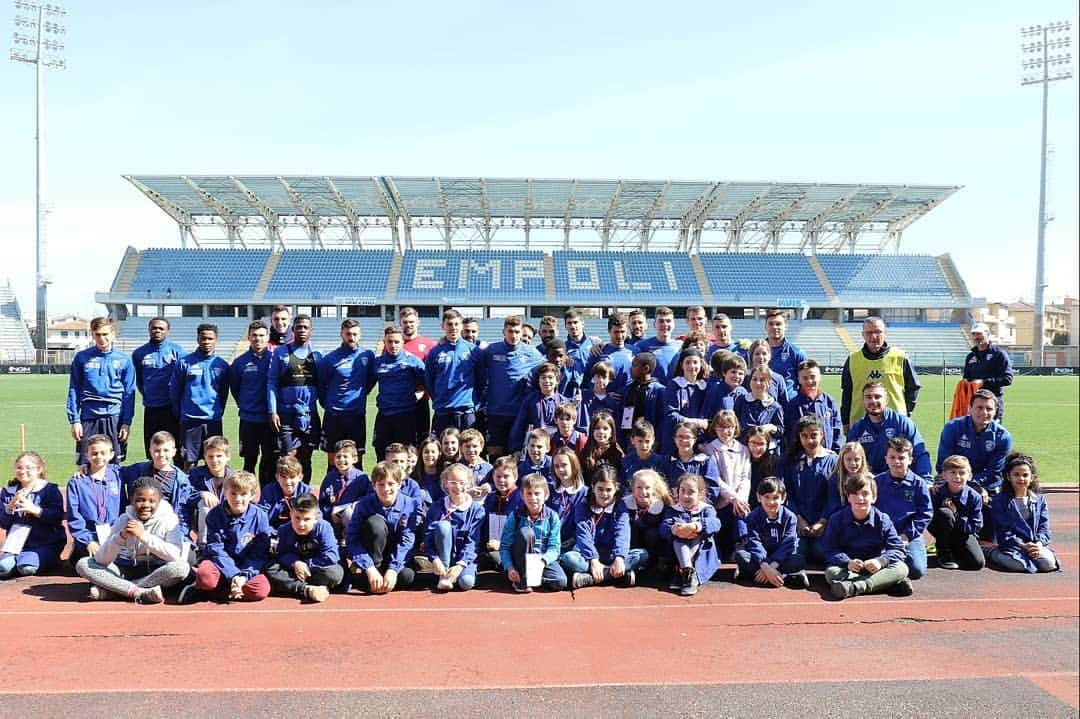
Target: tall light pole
1046 58
36 27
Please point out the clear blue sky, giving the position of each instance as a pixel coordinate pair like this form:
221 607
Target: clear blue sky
919 92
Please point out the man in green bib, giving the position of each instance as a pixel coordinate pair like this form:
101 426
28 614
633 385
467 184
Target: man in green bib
876 361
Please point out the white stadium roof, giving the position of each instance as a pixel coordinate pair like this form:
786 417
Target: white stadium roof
458 212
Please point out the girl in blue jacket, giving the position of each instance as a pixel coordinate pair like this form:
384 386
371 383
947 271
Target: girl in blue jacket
690 525
602 550
32 502
1021 520
453 531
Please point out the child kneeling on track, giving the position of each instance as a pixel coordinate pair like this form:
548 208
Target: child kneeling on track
770 553
237 546
453 531
689 525
382 534
32 517
308 564
532 527
863 551
1021 520
602 550
145 553
958 516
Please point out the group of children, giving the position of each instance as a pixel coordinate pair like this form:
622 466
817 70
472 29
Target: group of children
572 510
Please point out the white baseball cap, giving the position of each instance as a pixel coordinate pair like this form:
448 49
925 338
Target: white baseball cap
981 328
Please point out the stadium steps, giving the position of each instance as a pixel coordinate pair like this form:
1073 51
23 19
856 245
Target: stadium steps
267 275
825 285
952 277
702 280
845 337
239 348
395 275
549 277
126 274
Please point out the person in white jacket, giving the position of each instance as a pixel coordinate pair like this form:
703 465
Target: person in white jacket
144 554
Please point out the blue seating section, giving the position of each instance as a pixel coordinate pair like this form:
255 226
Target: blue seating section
198 274
766 278
344 276
625 278
889 277
472 276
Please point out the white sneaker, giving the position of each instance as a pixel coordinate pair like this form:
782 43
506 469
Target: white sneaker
444 585
95 593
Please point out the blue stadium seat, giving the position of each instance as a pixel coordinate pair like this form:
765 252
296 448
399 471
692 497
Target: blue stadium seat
758 277
625 278
198 274
910 280
343 276
472 277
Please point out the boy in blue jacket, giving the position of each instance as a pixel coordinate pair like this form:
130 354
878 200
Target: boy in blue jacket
532 527
770 554
905 497
101 392
94 498
537 411
237 546
276 499
382 534
399 375
342 486
200 389
862 549
958 517
812 399
507 366
308 563
175 486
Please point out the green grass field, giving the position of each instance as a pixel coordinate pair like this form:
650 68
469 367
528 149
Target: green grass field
1041 414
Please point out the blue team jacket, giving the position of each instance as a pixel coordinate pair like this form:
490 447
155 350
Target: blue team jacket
667 356
47 534
507 369
272 501
176 492
1010 527
992 366
811 486
906 501
620 359
319 548
336 490
875 439
771 540
785 361
969 504
602 533
247 381
153 371
90 502
875 537
345 378
824 407
700 464
200 387
237 544
985 450
402 517
398 376
454 376
101 384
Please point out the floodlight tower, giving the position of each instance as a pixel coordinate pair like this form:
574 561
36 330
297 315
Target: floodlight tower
41 23
1046 58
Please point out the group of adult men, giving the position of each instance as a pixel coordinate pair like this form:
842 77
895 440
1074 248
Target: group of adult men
426 385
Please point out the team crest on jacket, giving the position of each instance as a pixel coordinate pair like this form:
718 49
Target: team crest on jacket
989 444
245 539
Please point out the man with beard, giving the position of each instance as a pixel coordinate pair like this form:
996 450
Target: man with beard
153 372
880 425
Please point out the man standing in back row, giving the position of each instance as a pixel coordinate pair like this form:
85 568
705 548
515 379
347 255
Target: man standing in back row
877 361
988 366
153 373
418 346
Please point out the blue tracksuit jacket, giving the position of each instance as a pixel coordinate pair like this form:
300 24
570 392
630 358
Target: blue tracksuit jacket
398 376
101 384
1010 527
454 376
771 540
200 387
667 356
466 525
272 501
292 387
507 369
602 533
824 407
247 381
985 450
969 505
785 361
90 502
811 486
336 490
620 359
875 437
992 366
345 377
319 548
153 371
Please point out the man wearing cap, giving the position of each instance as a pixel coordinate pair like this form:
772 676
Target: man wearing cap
877 361
988 367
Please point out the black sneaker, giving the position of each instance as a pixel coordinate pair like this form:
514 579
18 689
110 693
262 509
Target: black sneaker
189 594
677 580
797 580
629 579
842 589
582 579
903 588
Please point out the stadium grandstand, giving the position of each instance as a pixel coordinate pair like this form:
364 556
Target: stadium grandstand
363 247
15 342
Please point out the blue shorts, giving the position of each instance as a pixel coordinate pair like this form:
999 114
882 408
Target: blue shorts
298 430
193 434
337 427
498 430
461 420
108 426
